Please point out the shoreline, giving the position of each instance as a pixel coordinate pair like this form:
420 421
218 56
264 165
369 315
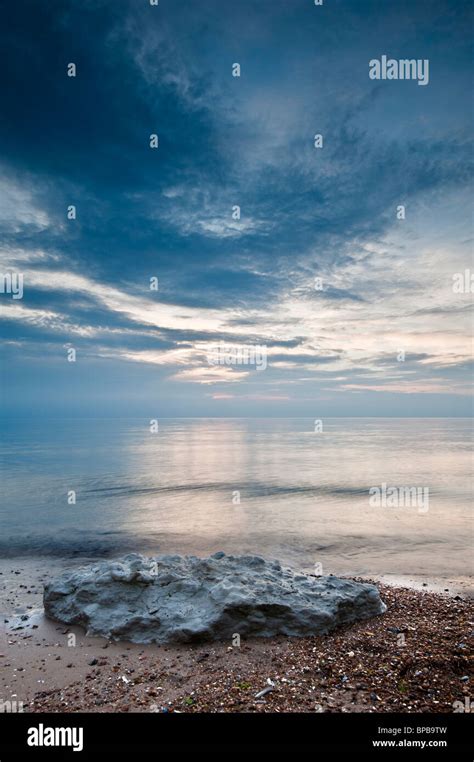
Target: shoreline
413 658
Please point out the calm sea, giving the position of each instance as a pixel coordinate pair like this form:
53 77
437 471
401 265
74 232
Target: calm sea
276 487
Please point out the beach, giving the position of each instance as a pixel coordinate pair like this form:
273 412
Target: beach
413 658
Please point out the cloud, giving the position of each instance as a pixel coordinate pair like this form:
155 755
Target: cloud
19 209
306 213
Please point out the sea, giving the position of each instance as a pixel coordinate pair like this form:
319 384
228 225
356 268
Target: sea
307 492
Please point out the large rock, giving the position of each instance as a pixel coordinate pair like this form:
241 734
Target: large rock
183 599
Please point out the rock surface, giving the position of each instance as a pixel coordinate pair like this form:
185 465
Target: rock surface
188 599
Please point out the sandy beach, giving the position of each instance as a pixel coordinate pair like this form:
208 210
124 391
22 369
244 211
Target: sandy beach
414 658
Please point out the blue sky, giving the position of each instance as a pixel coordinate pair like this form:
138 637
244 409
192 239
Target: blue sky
307 213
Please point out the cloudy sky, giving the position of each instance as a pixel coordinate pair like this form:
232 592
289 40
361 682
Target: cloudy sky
319 269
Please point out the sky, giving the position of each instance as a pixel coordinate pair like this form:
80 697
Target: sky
351 299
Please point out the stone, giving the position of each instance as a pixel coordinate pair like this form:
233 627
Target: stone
172 599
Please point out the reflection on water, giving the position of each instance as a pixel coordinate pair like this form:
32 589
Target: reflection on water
272 486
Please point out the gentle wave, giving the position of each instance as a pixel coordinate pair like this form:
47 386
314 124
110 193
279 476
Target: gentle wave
255 489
